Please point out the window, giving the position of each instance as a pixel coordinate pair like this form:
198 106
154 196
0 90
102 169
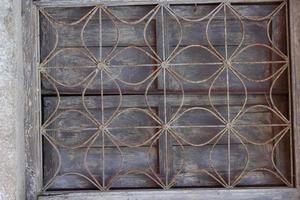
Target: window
165 96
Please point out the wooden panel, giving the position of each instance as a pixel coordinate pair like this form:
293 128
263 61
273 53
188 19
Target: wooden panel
80 67
194 33
214 85
135 136
133 159
126 71
198 158
69 36
63 131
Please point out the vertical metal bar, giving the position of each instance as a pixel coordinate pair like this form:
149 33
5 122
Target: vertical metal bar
161 85
100 33
102 131
227 94
225 32
165 96
102 97
163 32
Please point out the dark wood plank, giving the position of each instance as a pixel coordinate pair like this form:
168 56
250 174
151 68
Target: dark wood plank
72 66
66 137
133 159
197 159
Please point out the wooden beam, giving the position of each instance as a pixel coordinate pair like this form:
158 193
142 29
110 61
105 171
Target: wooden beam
295 66
191 194
68 3
32 152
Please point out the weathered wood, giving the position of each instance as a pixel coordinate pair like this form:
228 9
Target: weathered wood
191 194
126 72
68 3
135 136
196 159
33 165
295 77
194 33
133 159
194 11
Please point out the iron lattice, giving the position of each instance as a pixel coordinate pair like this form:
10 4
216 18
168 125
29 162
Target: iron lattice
229 124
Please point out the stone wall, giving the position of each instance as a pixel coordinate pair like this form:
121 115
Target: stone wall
11 102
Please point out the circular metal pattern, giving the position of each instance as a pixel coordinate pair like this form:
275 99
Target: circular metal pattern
230 123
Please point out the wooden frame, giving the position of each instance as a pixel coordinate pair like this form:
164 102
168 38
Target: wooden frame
32 123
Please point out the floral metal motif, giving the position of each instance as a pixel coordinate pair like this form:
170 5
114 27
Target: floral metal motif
230 124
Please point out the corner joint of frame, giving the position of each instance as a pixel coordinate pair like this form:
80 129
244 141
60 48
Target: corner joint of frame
163 3
100 6
40 9
226 2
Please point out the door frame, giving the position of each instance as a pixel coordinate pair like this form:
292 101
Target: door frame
32 120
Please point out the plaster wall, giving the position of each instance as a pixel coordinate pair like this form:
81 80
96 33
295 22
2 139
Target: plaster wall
11 102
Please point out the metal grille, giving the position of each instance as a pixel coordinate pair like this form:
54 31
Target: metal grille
211 85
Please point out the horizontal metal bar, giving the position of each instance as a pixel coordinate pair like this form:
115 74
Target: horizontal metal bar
191 194
79 3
